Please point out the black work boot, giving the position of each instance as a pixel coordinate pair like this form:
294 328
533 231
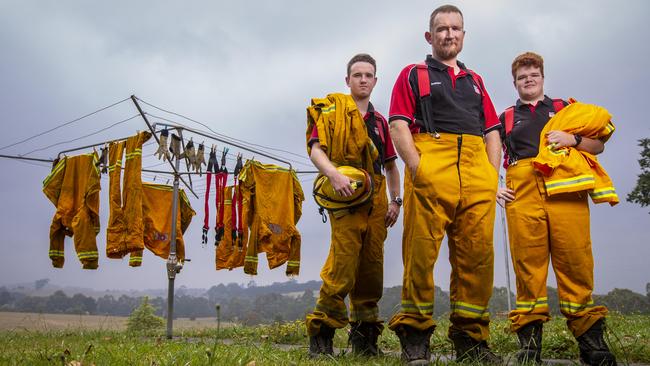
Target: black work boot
415 345
363 337
322 343
530 342
593 349
470 350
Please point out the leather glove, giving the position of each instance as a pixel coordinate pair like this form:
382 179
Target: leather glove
175 146
162 152
199 160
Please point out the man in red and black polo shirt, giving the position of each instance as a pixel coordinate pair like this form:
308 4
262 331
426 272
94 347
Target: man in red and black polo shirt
545 228
439 112
355 263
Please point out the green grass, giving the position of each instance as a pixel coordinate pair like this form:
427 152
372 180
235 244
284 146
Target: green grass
281 344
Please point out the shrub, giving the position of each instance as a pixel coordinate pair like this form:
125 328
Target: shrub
143 319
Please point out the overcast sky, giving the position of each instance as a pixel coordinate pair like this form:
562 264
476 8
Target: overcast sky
248 70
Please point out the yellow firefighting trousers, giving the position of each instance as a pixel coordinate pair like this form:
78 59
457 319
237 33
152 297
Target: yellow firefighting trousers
157 219
276 207
354 266
73 187
453 190
125 230
556 227
231 254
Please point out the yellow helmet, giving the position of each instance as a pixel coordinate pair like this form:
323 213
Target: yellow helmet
327 198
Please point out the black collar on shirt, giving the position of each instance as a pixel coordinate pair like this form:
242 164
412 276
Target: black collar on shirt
371 109
548 101
432 62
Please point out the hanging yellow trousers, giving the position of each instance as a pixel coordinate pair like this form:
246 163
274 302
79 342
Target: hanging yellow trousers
115 231
73 187
229 253
556 227
354 266
157 219
453 191
125 231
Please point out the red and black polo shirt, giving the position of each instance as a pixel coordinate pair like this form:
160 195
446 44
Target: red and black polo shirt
460 104
529 121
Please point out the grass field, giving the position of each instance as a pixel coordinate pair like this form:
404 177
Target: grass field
43 339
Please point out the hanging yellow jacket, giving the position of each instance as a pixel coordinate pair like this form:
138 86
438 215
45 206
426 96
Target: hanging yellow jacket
568 169
231 254
275 208
73 187
342 131
157 219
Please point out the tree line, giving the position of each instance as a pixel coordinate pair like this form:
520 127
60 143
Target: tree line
279 302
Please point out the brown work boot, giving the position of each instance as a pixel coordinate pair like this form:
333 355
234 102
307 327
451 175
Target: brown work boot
363 337
593 349
530 342
322 343
470 350
415 345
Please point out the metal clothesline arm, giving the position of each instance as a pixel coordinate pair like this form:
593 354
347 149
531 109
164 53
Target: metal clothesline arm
89 146
26 158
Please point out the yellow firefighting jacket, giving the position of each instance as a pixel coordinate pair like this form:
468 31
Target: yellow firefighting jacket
571 170
341 131
275 198
157 217
73 187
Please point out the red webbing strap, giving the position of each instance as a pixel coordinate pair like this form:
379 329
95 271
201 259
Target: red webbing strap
220 183
240 220
217 202
558 104
222 197
233 213
424 85
206 219
478 82
509 119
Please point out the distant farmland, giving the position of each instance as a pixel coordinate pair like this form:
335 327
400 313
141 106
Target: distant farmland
11 321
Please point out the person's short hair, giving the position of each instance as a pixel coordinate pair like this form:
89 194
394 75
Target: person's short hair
362 57
527 59
444 9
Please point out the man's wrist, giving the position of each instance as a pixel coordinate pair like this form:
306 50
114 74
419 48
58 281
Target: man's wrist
578 139
397 201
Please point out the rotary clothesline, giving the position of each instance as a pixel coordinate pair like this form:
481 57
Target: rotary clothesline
173 266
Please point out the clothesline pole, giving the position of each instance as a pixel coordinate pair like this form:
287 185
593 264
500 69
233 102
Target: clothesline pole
505 249
172 260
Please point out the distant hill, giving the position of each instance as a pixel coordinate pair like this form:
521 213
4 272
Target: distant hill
44 288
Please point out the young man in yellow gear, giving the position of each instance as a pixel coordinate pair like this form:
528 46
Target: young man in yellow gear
543 227
355 263
439 113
